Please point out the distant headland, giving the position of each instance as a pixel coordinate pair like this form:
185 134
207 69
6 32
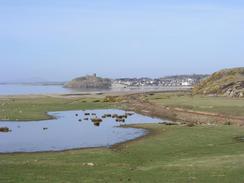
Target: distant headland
89 82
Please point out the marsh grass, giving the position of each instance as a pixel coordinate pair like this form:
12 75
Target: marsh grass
171 154
24 108
222 105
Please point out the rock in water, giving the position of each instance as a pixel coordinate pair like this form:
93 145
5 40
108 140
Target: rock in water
4 129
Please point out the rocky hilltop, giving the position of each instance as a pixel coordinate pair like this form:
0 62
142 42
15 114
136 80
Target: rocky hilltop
89 82
227 82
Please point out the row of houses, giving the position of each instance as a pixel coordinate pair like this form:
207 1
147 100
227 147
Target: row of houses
164 82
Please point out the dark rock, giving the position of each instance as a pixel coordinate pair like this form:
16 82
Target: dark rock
4 129
96 124
108 115
129 113
114 115
96 120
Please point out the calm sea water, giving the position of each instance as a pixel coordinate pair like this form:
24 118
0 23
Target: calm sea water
68 132
21 89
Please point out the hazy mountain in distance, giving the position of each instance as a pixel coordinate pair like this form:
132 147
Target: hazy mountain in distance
33 80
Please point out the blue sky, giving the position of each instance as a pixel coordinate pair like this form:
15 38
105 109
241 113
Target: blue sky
60 39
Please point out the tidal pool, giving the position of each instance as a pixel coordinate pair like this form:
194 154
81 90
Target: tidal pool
69 130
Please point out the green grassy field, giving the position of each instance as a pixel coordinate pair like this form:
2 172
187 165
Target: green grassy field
36 108
223 105
25 108
173 154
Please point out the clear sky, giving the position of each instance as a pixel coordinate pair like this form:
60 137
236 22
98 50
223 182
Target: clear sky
62 39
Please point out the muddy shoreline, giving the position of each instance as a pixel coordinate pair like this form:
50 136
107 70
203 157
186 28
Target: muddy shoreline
139 104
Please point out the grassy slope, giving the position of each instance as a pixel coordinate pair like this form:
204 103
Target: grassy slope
175 154
223 105
215 83
24 108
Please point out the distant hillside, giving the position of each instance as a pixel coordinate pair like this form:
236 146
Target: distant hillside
227 82
192 76
89 82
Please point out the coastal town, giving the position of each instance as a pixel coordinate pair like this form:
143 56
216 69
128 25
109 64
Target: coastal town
170 81
93 81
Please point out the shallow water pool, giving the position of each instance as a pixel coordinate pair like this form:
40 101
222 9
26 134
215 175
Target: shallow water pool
70 130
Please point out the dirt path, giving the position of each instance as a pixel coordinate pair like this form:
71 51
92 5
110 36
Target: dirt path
138 103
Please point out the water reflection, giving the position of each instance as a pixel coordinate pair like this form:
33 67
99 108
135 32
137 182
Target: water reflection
72 129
